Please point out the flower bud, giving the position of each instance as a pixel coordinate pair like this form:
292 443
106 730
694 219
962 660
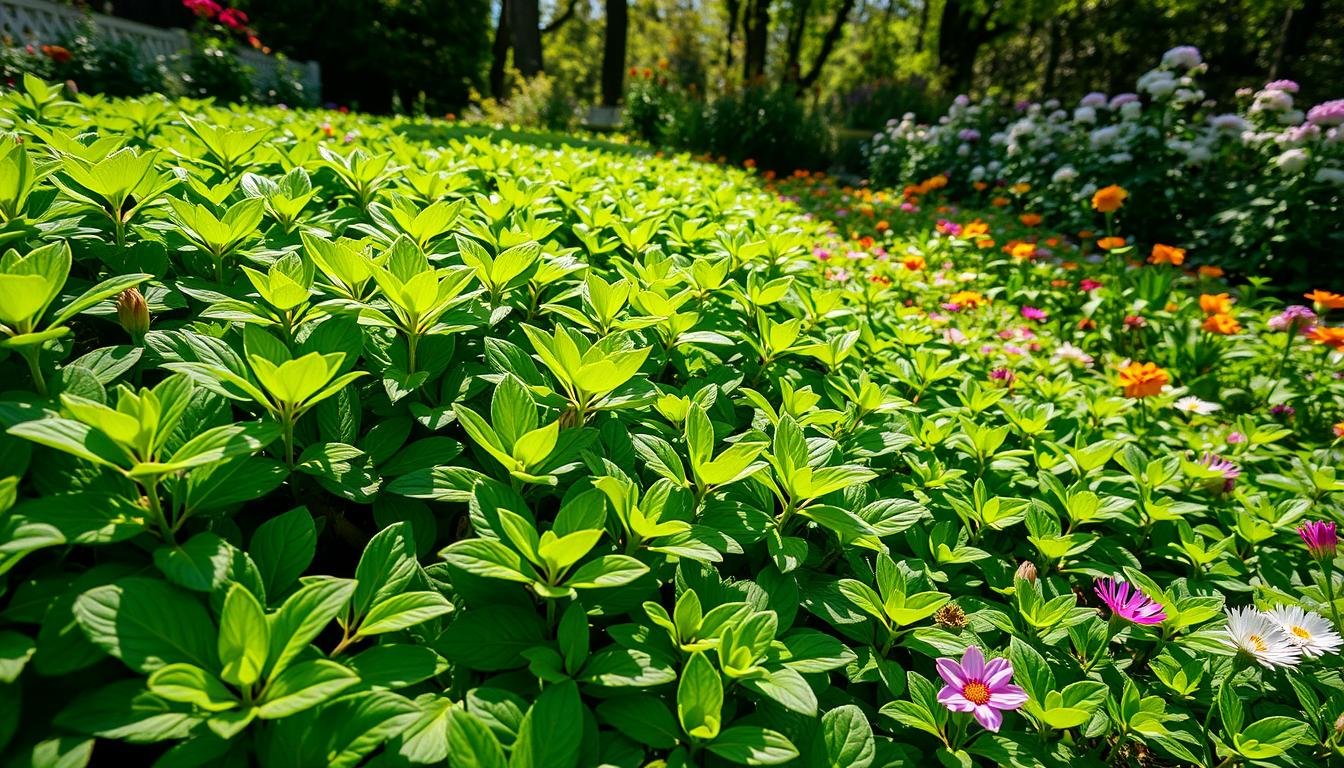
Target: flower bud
1027 571
133 313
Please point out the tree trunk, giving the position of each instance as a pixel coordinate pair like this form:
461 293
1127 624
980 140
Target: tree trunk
961 33
559 21
525 20
500 51
613 52
1054 35
793 68
828 44
757 35
734 8
923 27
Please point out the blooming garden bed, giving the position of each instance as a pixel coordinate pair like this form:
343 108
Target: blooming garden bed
332 440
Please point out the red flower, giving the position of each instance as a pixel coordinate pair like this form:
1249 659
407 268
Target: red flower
56 53
233 19
205 9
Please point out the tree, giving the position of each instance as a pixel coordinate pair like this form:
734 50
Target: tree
613 51
525 26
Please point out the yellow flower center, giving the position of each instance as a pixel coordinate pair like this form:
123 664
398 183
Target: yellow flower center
976 692
1302 633
1258 643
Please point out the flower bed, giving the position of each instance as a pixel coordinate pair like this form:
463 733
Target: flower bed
332 440
1255 187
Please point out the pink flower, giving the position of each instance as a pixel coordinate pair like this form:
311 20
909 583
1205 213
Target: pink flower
205 9
1235 438
1001 374
908 207
1321 538
1293 316
1133 606
233 18
1088 284
1032 313
1228 471
983 689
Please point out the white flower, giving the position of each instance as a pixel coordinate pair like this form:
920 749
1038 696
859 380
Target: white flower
1331 176
1182 57
1104 137
1307 630
1131 110
1228 123
1261 638
1072 354
1087 115
1192 404
1292 160
1064 175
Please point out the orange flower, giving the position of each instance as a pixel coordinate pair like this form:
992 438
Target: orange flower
970 299
1167 254
1143 379
749 163
1053 242
1085 234
1021 188
1109 199
1215 303
1087 324
1332 337
1111 243
984 242
937 182
1210 271
980 186
883 226
1326 300
1339 429
1030 219
913 263
975 229
1023 251
1000 202
1222 324
1068 265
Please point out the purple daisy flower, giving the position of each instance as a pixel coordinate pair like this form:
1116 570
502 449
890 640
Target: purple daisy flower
1129 602
1229 472
982 688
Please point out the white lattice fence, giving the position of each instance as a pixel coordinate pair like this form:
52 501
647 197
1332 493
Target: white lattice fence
38 22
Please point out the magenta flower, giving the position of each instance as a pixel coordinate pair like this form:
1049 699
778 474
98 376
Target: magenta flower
1129 602
1032 313
1321 538
1088 284
1295 316
1228 471
983 689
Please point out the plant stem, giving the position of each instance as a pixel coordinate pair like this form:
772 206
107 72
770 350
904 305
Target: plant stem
1283 361
156 510
33 354
1327 572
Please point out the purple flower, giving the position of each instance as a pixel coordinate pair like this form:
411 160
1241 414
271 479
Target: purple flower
1327 113
1287 86
979 687
1235 438
968 134
1129 602
1321 538
1293 316
1001 374
1121 99
1283 410
1227 471
1032 313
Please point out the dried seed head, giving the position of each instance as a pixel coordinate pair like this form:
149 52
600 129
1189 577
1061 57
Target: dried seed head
950 616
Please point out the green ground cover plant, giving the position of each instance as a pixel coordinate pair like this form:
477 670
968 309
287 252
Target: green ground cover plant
334 441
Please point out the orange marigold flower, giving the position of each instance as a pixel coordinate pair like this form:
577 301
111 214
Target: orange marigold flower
1331 337
1326 299
1059 283
984 243
1000 202
980 186
937 182
1030 219
749 163
1109 199
1167 254
913 263
1111 243
882 226
1021 188
1023 251
970 299
1339 429
1085 234
1215 303
1068 265
975 229
1053 242
1143 379
1207 270
1222 324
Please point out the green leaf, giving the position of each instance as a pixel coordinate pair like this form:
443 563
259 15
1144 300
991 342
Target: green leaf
402 611
552 730
302 618
750 745
244 637
607 571
303 686
282 548
192 685
148 624
700 698
386 567
848 738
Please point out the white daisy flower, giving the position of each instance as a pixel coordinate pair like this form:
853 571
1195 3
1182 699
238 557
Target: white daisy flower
1192 404
1261 638
1307 630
